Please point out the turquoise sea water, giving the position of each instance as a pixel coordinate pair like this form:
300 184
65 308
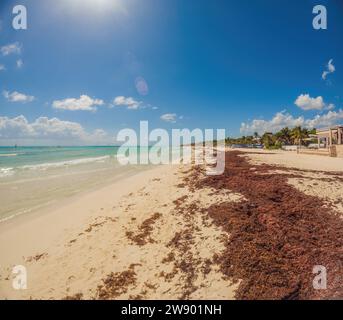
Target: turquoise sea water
13 159
33 177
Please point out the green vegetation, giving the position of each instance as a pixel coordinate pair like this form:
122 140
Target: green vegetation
296 136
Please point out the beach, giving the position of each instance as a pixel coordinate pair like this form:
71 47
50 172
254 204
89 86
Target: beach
171 232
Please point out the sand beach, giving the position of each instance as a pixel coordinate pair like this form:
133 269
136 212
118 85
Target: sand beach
171 232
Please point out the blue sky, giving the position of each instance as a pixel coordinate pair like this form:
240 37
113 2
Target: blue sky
85 69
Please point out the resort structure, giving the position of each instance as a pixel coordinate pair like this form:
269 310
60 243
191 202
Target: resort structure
330 136
332 140
329 142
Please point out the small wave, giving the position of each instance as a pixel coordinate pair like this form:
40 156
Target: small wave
45 166
8 154
5 172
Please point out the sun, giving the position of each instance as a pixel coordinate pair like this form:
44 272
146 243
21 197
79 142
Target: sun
98 5
101 3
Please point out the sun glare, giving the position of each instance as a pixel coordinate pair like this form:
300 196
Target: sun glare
98 5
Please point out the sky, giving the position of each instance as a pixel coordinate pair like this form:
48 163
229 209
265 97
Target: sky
85 69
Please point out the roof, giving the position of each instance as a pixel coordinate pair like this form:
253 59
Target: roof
328 129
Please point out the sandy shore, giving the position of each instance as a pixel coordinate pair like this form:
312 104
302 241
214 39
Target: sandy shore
150 236
72 249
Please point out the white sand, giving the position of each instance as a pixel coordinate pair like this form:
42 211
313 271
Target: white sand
293 160
75 260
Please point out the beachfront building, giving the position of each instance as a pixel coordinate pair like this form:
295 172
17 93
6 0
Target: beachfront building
330 136
331 139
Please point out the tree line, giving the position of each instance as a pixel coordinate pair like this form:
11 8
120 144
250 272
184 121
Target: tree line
286 136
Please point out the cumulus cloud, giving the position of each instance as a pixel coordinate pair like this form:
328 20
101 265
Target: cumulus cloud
169 117
279 121
50 130
284 119
325 120
12 48
330 68
2 67
16 96
305 102
84 103
128 102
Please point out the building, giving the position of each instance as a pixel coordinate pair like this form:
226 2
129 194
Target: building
330 136
332 140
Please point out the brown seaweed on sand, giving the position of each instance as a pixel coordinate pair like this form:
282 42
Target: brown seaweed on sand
116 284
277 234
144 231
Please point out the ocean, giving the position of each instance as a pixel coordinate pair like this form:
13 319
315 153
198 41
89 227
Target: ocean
34 177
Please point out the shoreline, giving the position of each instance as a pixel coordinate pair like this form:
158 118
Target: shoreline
120 217
19 221
63 201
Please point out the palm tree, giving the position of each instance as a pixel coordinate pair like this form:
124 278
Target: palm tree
298 134
249 140
268 140
284 136
256 137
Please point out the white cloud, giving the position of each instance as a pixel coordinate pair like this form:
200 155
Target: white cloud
169 117
283 119
84 103
330 106
12 48
129 102
330 68
2 67
324 75
279 121
16 96
305 102
19 63
326 120
48 130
